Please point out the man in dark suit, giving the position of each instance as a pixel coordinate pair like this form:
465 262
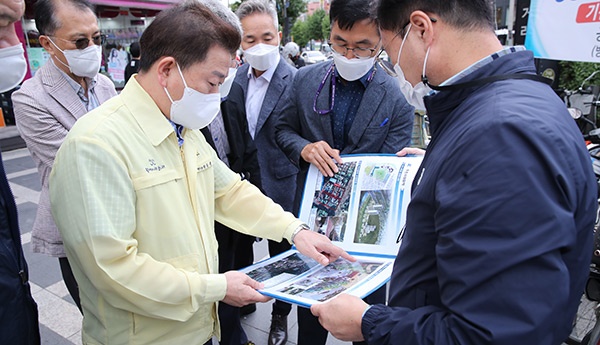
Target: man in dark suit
239 153
264 78
18 310
343 106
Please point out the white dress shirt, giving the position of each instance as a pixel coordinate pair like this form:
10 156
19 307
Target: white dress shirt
257 89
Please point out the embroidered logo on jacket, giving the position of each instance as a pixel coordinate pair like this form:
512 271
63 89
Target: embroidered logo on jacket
154 166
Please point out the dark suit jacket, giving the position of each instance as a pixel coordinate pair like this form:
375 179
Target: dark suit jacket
18 310
383 122
277 171
244 161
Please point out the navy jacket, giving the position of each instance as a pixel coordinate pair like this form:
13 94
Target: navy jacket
18 310
499 231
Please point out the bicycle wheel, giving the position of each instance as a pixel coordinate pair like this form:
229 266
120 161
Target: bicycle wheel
584 321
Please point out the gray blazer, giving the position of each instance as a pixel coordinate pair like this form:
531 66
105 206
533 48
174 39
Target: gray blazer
383 122
46 107
277 172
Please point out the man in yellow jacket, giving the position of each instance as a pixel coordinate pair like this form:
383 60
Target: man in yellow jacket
135 190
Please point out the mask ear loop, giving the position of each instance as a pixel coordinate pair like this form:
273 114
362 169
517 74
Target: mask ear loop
402 44
423 76
184 84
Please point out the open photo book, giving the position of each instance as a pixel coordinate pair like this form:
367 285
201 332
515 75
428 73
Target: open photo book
362 209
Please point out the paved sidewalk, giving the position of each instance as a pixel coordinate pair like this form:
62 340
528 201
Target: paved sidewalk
60 320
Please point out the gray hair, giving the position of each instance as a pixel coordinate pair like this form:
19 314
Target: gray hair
221 11
250 7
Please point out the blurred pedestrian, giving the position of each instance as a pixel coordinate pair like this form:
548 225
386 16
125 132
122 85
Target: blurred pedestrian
291 54
134 65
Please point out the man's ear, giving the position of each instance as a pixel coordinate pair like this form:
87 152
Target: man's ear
422 23
165 66
47 45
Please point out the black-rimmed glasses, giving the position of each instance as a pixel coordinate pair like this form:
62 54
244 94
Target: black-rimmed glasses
84 42
361 53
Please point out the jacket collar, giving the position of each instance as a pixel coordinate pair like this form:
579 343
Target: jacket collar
440 104
153 122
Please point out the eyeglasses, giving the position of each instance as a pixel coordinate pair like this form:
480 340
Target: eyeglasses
385 65
84 42
361 53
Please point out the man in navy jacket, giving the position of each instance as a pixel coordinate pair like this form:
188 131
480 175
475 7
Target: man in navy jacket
18 310
499 230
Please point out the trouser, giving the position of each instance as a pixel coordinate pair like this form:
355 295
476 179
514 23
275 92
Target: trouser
310 331
279 307
235 252
70 282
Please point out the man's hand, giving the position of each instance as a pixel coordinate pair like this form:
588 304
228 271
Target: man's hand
342 316
11 11
410 151
319 247
321 155
241 290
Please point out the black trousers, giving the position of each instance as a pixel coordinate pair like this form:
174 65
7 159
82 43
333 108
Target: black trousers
70 282
310 331
279 307
235 252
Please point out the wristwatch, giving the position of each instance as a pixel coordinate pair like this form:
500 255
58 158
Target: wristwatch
302 226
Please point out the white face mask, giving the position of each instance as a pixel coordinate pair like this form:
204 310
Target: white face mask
82 62
195 109
262 56
413 94
226 86
352 69
14 67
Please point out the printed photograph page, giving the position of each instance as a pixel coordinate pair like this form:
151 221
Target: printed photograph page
295 278
363 206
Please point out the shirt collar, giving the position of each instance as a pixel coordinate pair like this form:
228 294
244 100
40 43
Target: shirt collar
268 74
153 122
91 82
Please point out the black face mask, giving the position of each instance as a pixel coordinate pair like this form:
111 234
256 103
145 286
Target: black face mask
294 58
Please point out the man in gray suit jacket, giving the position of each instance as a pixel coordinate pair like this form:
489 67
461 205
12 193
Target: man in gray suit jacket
264 80
47 106
344 106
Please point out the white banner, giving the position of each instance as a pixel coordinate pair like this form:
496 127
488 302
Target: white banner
564 30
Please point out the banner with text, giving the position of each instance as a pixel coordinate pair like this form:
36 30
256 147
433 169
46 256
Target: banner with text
564 30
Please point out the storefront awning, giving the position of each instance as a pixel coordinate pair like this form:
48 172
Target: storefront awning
149 4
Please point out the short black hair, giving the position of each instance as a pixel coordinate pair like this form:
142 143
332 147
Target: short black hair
134 49
46 21
347 12
393 15
186 32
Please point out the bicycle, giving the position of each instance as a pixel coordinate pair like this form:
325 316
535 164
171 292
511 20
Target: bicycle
586 326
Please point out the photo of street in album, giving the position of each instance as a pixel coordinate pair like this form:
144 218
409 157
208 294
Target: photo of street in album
331 201
273 273
331 280
362 209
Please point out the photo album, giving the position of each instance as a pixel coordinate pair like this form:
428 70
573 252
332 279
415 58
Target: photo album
362 209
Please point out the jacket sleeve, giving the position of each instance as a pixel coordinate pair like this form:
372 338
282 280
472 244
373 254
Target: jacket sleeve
39 128
288 125
512 244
